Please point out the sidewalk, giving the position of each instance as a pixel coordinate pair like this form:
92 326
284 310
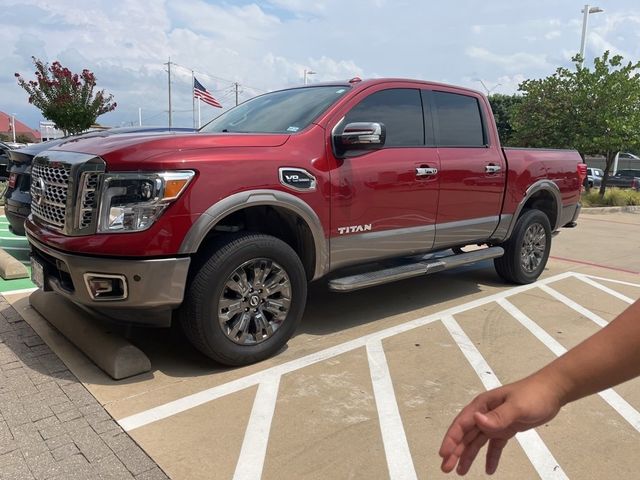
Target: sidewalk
51 427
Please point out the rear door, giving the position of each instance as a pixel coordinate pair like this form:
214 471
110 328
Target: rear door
472 169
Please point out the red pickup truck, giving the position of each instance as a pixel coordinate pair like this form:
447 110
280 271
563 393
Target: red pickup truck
222 229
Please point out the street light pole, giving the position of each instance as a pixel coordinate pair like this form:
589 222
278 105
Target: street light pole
307 72
585 21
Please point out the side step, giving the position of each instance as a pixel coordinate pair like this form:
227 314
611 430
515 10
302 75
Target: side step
422 267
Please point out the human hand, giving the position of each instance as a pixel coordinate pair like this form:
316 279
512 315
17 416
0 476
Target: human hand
495 417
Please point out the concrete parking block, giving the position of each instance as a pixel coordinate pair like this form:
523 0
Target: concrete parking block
11 268
112 353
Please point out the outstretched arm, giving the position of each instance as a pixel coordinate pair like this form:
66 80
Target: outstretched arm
605 359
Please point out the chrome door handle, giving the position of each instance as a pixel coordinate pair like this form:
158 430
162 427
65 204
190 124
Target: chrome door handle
492 168
426 171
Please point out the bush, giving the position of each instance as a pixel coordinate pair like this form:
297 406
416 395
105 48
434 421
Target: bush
613 197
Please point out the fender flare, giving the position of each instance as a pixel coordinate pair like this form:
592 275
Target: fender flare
252 198
539 186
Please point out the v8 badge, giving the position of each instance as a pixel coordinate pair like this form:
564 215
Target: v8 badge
298 179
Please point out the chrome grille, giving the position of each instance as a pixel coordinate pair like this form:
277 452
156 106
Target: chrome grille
88 198
49 189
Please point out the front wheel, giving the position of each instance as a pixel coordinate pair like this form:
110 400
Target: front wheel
527 251
246 300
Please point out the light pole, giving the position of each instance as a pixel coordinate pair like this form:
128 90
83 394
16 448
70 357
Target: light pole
306 73
13 126
585 21
487 89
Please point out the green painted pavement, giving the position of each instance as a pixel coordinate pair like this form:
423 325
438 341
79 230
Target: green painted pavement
17 247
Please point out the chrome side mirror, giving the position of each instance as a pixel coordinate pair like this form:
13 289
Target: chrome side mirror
360 136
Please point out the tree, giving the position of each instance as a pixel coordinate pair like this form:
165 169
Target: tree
594 111
66 98
503 107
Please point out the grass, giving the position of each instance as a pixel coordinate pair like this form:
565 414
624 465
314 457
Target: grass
613 197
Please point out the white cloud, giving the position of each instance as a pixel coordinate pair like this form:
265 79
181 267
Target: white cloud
266 44
510 62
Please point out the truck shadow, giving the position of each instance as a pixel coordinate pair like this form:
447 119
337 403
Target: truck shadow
327 313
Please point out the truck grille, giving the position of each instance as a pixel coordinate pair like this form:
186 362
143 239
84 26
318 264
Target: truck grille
49 189
65 191
88 198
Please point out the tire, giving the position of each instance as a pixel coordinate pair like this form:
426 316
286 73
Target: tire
527 250
218 315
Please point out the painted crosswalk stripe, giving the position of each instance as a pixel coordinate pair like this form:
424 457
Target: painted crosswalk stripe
608 290
541 458
598 320
394 439
256 437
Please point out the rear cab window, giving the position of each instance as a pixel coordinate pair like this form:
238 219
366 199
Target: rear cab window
458 120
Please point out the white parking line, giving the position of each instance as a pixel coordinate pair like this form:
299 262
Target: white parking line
599 286
619 404
19 291
191 401
575 306
256 437
535 449
611 280
396 447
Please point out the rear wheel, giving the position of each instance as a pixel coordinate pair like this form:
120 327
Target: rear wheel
246 300
527 251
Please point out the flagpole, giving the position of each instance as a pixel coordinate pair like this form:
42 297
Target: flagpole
169 72
199 120
193 97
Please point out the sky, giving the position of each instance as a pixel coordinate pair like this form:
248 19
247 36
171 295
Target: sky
265 45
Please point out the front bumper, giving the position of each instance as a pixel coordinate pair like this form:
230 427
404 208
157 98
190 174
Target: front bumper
153 287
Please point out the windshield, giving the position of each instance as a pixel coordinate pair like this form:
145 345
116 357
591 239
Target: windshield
285 111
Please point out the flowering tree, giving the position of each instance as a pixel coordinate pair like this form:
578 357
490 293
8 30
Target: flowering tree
66 98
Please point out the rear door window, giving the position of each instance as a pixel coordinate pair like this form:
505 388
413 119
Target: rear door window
459 120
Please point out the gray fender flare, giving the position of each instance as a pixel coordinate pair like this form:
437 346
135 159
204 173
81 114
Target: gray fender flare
508 222
238 201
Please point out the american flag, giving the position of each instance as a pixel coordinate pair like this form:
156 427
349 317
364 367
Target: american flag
200 92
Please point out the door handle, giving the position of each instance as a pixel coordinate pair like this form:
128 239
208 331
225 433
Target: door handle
492 168
426 171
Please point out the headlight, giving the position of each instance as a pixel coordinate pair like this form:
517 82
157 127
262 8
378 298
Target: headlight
131 202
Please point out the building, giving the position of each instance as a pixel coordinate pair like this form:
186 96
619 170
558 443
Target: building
6 123
49 131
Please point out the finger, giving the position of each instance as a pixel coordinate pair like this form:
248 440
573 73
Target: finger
470 453
460 427
494 451
449 461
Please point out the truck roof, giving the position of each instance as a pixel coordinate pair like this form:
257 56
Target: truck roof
358 83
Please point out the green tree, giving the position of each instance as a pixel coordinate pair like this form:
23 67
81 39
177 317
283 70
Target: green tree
596 111
66 98
503 107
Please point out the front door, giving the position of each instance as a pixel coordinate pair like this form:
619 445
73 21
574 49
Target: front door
383 203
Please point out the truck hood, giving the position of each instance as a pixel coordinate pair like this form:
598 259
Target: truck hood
140 146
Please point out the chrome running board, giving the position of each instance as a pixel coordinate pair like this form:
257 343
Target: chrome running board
410 270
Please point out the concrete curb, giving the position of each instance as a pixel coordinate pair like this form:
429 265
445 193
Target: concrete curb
10 268
604 210
112 353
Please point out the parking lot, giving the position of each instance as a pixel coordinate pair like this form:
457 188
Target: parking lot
371 381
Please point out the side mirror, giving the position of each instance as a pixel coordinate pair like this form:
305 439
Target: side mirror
359 136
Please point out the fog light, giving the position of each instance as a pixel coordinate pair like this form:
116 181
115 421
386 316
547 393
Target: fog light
104 287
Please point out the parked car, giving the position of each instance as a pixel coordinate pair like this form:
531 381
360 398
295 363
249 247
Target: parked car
594 177
5 148
18 194
222 230
625 179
